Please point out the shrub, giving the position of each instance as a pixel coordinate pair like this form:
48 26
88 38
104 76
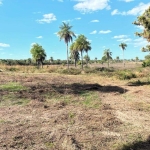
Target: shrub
125 75
71 71
146 63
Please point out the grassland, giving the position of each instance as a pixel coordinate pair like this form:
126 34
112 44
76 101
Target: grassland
94 109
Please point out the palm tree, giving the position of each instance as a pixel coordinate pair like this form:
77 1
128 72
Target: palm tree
51 60
87 47
38 54
123 47
108 55
87 59
74 54
82 45
66 34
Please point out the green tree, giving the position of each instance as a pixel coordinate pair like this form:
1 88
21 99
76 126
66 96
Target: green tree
107 55
66 34
95 59
136 59
87 59
82 44
123 47
38 54
74 54
117 58
51 60
144 21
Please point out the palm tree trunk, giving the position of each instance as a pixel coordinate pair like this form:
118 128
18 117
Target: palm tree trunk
123 59
67 57
81 60
87 57
108 62
75 64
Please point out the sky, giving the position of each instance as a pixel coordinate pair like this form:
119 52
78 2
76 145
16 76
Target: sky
105 23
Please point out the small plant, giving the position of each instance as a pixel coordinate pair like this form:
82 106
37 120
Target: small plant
12 86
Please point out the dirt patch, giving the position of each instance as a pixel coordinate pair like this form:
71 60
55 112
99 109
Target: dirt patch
59 114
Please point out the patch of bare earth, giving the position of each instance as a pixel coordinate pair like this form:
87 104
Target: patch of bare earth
61 125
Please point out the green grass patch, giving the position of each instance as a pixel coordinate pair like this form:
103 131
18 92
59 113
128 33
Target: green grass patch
90 99
125 75
11 99
12 87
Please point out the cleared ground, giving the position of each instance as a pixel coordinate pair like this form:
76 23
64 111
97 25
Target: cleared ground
73 112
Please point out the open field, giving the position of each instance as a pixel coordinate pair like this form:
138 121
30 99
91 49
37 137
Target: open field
88 111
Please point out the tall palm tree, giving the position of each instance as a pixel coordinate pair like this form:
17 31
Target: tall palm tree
82 45
87 47
66 34
74 54
108 55
123 47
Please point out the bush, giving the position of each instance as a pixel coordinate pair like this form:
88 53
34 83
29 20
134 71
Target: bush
146 63
125 75
71 71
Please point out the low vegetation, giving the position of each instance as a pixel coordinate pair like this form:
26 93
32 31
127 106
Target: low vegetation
56 108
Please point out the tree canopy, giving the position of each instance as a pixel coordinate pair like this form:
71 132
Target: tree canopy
38 54
144 20
66 34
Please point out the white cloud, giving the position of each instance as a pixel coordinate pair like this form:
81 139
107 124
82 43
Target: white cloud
140 42
138 10
120 36
47 18
60 0
39 37
1 2
4 45
127 0
140 27
93 32
124 40
78 18
33 44
104 32
86 6
95 21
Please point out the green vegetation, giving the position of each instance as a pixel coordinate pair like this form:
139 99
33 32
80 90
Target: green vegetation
123 47
38 54
107 54
11 99
144 21
66 34
12 87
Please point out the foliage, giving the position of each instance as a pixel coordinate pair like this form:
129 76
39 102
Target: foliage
66 34
74 54
123 47
38 54
12 86
125 75
144 21
82 44
107 55
87 59
146 63
72 71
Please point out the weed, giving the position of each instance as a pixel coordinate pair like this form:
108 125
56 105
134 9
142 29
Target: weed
12 86
11 99
91 100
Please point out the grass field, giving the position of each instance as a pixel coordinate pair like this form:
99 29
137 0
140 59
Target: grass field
94 109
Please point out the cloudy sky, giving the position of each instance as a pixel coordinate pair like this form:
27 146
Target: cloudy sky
105 23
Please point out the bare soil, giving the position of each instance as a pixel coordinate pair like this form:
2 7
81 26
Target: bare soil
56 117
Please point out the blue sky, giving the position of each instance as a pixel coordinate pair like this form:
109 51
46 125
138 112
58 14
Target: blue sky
105 23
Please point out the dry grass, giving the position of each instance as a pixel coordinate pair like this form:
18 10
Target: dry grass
73 112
